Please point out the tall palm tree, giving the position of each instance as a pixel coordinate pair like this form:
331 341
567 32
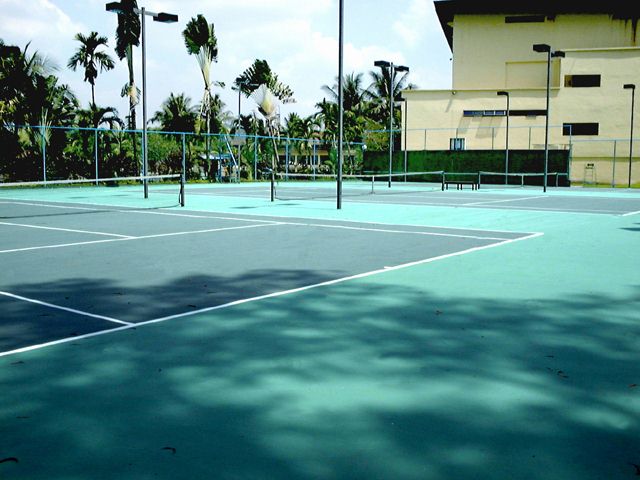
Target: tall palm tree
381 88
91 59
127 37
200 40
176 114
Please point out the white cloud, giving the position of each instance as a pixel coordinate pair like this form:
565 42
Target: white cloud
411 25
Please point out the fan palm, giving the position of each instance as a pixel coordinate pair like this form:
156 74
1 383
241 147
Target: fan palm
91 59
200 40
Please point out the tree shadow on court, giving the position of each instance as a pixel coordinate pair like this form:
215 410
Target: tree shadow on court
365 379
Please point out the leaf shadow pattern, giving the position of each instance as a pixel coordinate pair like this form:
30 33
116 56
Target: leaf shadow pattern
363 379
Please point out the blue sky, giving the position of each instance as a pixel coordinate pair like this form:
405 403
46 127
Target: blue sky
298 38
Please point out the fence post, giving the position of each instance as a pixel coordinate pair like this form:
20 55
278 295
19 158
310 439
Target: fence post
95 152
43 146
286 160
184 157
255 157
613 173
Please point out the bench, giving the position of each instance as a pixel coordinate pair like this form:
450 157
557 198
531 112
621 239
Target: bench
460 184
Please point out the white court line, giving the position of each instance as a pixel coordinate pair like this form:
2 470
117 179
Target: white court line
486 202
383 230
630 213
66 309
143 237
65 230
269 295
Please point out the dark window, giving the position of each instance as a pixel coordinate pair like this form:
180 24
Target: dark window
527 113
580 129
456 144
503 113
579 81
524 19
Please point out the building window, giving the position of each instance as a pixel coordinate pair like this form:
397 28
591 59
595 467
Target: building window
580 129
580 81
503 113
456 144
524 19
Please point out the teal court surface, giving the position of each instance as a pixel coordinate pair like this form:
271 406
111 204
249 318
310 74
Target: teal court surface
413 334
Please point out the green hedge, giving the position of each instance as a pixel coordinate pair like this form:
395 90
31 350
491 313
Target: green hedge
468 161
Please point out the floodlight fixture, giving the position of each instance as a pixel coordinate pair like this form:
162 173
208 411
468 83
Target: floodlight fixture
164 17
382 64
401 68
541 47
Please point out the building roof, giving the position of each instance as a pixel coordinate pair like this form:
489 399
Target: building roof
448 9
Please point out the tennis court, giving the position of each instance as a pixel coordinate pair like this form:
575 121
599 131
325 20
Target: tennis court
414 334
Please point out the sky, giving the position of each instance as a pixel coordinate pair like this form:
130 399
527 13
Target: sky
298 38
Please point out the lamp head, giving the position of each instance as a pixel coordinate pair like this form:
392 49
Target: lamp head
631 86
541 47
381 63
402 68
164 17
115 7
503 93
558 53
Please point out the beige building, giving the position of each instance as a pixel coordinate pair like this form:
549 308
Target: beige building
492 46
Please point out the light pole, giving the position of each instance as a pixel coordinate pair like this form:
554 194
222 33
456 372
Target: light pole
240 83
544 48
632 87
162 17
340 102
506 153
392 74
406 148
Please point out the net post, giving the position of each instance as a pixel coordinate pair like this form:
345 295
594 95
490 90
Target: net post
273 185
479 180
444 176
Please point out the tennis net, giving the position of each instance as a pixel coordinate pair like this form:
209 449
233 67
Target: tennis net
298 186
554 179
101 190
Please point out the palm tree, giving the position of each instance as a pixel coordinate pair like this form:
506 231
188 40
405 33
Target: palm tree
176 114
200 40
91 59
380 88
127 37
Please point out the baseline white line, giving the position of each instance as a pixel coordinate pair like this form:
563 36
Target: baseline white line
383 230
65 229
486 202
63 245
119 209
270 295
143 237
630 213
64 340
66 309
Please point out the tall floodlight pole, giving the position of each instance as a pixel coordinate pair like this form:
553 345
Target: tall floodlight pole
340 104
162 17
632 87
392 74
544 48
506 150
406 148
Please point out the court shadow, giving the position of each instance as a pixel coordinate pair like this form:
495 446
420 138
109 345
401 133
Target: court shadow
366 379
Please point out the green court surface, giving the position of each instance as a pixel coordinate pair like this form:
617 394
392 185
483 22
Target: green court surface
501 359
